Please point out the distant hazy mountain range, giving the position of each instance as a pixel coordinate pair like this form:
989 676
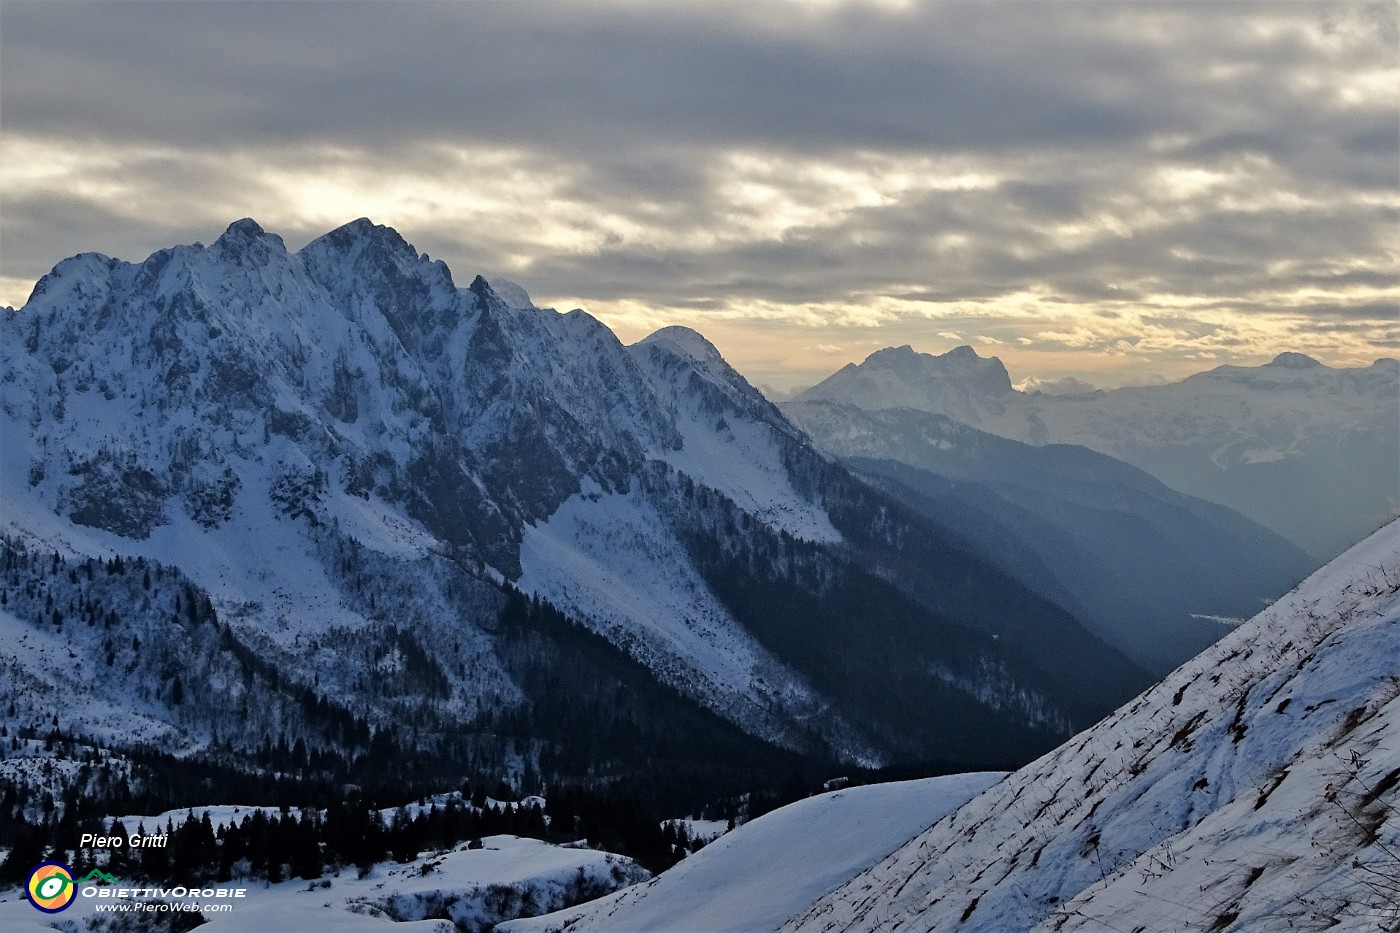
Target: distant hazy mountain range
1309 451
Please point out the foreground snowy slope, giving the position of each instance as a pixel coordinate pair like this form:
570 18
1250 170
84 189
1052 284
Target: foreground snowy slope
765 871
1253 789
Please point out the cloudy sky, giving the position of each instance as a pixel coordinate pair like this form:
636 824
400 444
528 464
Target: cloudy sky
1102 190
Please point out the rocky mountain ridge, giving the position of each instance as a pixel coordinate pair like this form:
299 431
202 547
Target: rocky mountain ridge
350 457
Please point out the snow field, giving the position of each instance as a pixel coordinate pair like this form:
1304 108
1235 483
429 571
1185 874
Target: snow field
767 870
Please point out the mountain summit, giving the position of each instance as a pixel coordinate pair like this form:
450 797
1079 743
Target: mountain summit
1289 360
958 383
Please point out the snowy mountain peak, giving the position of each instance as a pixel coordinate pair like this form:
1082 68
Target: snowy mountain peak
247 228
680 348
512 293
903 361
247 243
686 342
78 278
482 289
985 375
79 266
365 237
1289 360
362 228
372 269
958 383
893 354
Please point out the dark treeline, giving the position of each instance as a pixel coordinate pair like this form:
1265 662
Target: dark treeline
623 817
594 712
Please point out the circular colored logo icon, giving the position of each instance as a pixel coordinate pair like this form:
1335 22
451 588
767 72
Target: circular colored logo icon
51 887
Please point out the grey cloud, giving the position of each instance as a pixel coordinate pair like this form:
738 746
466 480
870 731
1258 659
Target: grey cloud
1360 316
1011 247
674 183
1046 199
1182 324
1367 278
78 220
580 76
1378 140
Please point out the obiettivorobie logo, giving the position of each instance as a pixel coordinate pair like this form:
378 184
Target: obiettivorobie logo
51 886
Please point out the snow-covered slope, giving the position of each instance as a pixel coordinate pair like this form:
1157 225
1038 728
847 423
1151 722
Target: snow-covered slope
731 435
768 870
1269 442
1253 789
613 560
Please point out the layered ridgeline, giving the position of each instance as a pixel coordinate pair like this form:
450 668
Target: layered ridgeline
327 503
1158 574
1304 449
